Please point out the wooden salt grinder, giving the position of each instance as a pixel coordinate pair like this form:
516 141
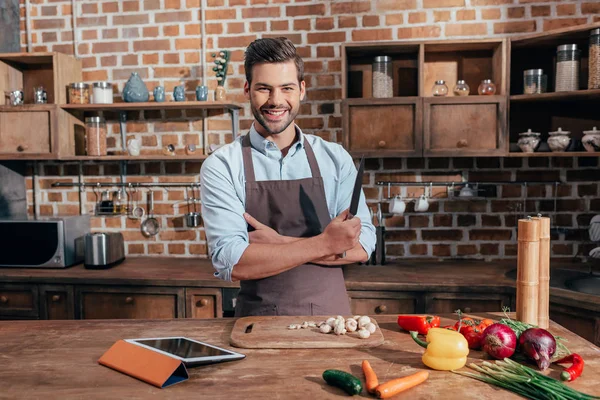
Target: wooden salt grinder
544 274
528 258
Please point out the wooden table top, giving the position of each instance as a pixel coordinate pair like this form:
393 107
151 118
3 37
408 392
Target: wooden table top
58 360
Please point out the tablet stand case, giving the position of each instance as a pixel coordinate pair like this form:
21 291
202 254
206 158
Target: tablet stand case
144 364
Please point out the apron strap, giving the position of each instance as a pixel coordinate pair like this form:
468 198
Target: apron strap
312 160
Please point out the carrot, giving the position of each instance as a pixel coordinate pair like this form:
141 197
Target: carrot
395 386
370 377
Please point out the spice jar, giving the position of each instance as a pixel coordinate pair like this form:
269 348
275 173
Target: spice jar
95 134
382 77
591 140
461 88
486 88
534 81
559 140
528 141
102 93
79 93
440 88
594 60
567 68
119 199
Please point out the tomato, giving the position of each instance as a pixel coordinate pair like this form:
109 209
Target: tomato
484 324
474 338
466 325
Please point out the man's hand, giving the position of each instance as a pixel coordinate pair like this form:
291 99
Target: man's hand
342 234
263 234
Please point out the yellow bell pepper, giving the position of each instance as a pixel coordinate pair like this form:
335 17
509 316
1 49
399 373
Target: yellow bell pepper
446 349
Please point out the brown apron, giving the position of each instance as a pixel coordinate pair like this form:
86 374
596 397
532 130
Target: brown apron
296 208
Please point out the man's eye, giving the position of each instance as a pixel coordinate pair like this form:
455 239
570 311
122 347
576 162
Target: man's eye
263 89
288 89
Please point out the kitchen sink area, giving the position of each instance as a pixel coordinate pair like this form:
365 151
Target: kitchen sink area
579 280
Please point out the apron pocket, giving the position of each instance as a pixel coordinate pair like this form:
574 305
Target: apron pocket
252 309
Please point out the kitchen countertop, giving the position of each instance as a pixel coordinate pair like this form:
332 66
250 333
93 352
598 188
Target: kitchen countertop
446 276
58 360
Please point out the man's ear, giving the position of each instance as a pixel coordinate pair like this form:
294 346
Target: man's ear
247 90
302 90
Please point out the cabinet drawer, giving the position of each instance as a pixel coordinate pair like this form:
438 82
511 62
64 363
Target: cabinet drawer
578 321
437 303
383 127
373 303
26 133
474 125
203 303
57 302
130 303
19 300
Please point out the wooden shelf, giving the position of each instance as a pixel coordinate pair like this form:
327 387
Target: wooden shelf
168 105
558 96
141 157
556 154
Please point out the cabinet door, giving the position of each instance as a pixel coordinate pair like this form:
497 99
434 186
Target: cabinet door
129 303
203 303
438 303
57 302
373 303
465 126
383 127
579 321
26 133
18 300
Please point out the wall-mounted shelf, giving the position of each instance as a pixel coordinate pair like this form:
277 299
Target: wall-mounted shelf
593 94
556 154
141 157
168 105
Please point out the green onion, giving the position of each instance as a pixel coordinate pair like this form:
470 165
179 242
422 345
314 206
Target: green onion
523 381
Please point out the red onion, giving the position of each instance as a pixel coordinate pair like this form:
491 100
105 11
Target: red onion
499 341
539 345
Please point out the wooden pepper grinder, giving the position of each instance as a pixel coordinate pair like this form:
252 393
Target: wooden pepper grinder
544 273
528 258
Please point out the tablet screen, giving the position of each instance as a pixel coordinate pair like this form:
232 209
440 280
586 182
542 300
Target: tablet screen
183 348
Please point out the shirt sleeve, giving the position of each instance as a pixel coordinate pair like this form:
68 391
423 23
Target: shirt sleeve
223 215
348 174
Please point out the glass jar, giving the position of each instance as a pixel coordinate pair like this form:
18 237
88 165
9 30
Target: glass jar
594 60
486 88
440 88
567 68
528 141
102 93
119 199
79 93
559 140
534 81
382 77
461 88
40 96
95 136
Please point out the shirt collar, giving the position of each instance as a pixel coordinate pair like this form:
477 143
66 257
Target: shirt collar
263 145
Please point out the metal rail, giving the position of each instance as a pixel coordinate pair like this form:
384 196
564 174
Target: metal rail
125 184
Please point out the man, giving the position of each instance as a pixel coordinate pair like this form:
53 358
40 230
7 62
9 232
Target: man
275 201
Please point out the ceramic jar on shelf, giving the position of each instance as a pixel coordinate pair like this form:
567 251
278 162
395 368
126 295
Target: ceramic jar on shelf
528 141
591 140
559 140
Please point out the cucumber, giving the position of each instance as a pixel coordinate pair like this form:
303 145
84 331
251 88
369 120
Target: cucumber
343 380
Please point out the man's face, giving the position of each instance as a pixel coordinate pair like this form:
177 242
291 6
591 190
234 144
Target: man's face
275 95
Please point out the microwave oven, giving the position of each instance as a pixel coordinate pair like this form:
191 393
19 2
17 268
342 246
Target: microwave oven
44 242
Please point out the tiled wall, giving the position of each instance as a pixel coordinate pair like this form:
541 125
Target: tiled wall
160 39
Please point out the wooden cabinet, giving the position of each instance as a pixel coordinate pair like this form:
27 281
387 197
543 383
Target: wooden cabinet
129 303
18 300
438 303
373 303
27 132
577 320
203 303
57 302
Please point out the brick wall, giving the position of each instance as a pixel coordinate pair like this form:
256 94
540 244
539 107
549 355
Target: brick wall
160 39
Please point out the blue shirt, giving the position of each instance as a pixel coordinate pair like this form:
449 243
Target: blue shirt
223 192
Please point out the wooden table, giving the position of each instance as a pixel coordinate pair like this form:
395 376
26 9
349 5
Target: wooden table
58 359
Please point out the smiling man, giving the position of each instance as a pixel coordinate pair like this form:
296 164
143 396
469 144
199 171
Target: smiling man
275 201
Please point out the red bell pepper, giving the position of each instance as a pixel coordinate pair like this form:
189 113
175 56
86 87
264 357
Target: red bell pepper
418 323
573 372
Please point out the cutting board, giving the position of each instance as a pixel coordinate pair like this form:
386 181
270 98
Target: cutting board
273 333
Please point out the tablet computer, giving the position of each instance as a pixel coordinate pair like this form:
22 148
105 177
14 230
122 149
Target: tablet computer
191 352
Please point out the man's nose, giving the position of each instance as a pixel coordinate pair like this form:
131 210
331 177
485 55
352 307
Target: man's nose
275 97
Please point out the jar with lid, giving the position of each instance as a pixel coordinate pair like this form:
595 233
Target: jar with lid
594 60
534 81
440 88
559 140
461 88
95 136
486 88
102 93
79 93
591 140
528 141
382 77
567 68
119 199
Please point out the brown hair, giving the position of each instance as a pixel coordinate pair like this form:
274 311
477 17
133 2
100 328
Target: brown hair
272 50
